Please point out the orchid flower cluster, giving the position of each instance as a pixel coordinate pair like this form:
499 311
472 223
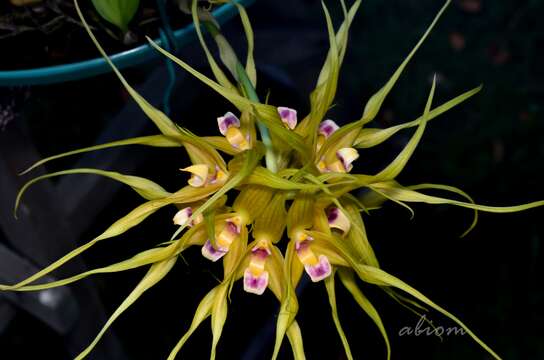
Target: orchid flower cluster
272 195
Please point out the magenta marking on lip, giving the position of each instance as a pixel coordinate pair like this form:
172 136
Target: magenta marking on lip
260 253
332 215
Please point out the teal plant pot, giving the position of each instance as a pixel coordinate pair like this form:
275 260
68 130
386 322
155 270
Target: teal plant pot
93 67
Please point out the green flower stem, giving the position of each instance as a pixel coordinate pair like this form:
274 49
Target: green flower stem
241 75
270 156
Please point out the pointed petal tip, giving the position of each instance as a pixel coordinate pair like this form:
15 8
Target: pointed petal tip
199 174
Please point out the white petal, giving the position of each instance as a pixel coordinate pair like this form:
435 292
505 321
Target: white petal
347 156
288 116
182 216
327 128
226 121
338 220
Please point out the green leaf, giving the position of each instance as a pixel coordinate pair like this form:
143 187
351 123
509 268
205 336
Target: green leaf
117 12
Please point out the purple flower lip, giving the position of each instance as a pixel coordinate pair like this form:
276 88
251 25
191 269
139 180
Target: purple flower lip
327 128
211 253
288 116
255 284
260 253
302 245
332 214
338 220
226 121
320 271
230 226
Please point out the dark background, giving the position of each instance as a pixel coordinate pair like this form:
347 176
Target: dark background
489 146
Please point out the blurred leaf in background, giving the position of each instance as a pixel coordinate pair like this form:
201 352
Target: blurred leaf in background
117 12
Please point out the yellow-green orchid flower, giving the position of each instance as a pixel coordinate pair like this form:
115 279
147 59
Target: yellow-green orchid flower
292 187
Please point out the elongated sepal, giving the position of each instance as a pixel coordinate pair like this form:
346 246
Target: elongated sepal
211 253
227 121
255 284
199 174
288 116
338 220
